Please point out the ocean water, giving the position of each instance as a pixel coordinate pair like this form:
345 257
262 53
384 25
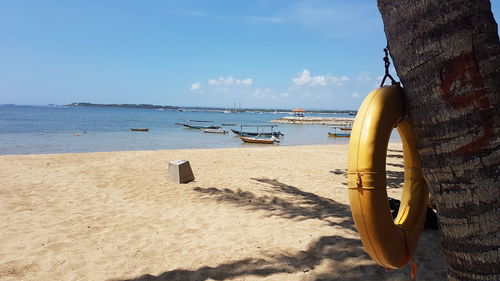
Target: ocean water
38 129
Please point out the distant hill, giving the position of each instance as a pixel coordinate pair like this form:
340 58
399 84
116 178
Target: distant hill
200 108
150 106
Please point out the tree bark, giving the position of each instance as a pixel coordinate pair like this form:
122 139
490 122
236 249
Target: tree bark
447 55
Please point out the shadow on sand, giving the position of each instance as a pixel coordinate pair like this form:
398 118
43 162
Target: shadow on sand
332 249
344 257
298 204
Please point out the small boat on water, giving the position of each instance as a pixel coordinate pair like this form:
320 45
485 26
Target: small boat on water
215 131
139 129
200 127
258 131
250 134
338 135
271 140
345 128
228 124
197 124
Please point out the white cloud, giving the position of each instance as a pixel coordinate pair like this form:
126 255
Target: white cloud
195 86
354 95
284 95
338 81
305 78
365 78
229 80
318 80
247 81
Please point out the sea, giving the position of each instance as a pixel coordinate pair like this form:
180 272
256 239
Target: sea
69 129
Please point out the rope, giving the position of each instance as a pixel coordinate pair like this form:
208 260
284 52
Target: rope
387 63
413 270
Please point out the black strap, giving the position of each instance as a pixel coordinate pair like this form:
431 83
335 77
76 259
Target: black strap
387 63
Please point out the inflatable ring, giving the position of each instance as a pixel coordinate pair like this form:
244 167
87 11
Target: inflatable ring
390 243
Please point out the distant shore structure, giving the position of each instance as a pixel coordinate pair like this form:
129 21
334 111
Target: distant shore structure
333 121
298 112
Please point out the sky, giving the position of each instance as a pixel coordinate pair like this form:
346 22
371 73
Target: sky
277 54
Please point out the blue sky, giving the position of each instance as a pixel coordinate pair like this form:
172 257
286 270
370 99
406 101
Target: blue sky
316 54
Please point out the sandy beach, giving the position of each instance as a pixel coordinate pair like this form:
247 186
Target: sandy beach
256 213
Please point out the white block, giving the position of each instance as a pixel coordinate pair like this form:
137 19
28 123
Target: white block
179 171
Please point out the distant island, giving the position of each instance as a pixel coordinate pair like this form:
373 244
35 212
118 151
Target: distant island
200 108
148 106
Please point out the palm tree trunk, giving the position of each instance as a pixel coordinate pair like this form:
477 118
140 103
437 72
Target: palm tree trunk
447 55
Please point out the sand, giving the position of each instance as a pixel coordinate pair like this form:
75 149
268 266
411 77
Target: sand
256 213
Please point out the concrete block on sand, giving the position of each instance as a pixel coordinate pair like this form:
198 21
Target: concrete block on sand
179 171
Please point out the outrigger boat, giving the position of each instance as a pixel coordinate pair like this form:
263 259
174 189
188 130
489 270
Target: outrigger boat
338 135
271 140
215 131
139 130
193 126
257 133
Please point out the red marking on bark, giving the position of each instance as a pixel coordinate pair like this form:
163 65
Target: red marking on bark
460 72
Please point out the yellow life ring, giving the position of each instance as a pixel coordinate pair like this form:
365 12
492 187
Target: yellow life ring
390 243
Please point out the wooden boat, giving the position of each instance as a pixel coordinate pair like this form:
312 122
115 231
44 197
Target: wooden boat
215 131
345 128
271 140
139 130
253 134
338 135
245 133
199 126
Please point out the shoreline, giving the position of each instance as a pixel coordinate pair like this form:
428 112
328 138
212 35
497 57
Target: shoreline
391 141
306 120
254 213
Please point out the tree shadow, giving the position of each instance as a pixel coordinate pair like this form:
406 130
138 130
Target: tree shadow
395 153
335 257
394 179
395 165
298 205
334 251
400 156
339 172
